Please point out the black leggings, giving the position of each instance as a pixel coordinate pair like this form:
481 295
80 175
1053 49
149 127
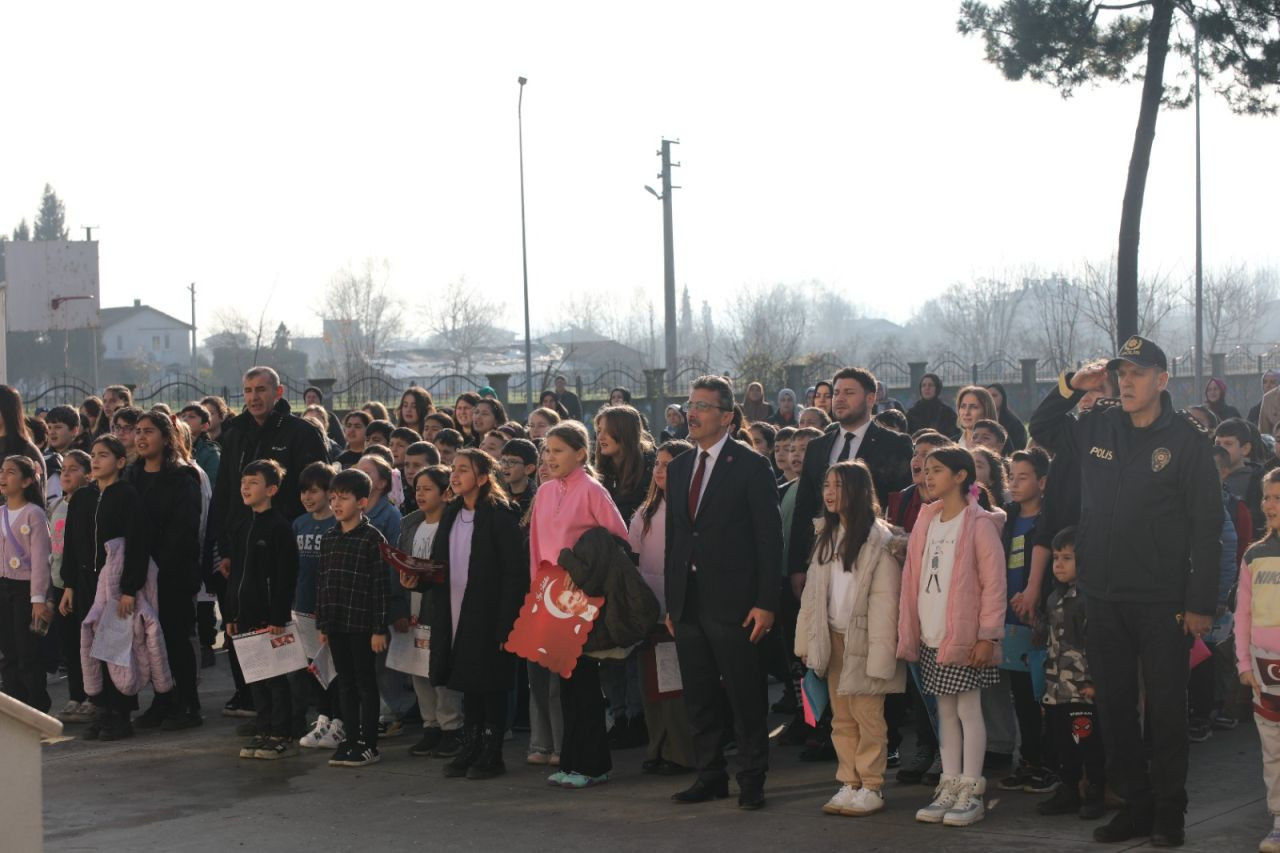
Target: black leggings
177 612
486 711
353 660
22 672
1077 742
1030 723
68 630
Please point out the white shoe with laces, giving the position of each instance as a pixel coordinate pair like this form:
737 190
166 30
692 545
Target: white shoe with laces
970 804
865 802
1270 844
325 734
843 799
944 799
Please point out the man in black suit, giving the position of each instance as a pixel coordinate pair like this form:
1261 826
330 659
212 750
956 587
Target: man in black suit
723 549
885 452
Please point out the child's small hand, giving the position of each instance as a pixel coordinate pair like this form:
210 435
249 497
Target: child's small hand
231 628
983 653
1247 679
1088 692
324 641
378 642
224 567
408 581
125 608
68 602
276 629
41 612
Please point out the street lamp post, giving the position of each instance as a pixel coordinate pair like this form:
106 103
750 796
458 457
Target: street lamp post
1199 248
668 255
524 255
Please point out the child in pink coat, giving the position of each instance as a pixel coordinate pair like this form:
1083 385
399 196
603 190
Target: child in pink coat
950 620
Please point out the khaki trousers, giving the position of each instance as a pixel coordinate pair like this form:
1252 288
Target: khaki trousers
858 729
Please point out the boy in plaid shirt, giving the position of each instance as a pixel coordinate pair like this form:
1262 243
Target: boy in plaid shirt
351 613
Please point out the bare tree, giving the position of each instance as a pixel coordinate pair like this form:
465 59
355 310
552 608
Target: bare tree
1057 304
1157 297
461 320
766 326
833 325
1235 300
977 319
361 315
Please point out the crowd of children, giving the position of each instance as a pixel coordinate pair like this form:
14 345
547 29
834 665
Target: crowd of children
956 588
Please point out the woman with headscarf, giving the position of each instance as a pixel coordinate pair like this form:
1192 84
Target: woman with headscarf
929 412
1215 399
754 406
785 416
677 426
1008 419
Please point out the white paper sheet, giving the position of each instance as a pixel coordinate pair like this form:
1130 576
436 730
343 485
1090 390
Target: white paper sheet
113 638
322 667
265 655
668 666
410 652
307 633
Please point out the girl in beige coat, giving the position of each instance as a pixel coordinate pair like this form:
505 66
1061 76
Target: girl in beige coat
847 631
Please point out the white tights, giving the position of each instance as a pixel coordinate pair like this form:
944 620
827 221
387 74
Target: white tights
962 734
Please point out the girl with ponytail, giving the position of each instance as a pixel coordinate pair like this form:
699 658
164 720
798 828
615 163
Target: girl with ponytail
950 621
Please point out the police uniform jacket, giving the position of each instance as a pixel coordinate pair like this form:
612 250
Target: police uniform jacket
1150 506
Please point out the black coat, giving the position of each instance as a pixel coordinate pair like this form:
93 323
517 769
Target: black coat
497 580
1150 505
931 414
288 439
264 571
171 499
886 453
735 541
600 564
93 519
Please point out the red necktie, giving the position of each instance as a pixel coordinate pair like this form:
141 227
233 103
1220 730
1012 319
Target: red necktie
695 488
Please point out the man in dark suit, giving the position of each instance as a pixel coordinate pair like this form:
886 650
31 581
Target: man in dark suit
885 452
723 549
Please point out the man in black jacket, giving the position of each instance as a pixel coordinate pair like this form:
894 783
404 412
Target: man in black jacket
886 453
1148 549
264 430
723 549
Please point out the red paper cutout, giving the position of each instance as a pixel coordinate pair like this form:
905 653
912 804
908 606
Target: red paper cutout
554 621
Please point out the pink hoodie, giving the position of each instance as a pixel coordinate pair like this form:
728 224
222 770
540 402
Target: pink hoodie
1258 602
563 510
976 601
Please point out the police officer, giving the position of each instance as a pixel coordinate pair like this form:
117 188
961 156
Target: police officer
1148 554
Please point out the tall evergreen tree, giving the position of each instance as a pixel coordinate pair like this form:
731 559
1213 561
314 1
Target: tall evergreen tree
22 232
51 221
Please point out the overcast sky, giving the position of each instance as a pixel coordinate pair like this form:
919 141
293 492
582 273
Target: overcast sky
255 148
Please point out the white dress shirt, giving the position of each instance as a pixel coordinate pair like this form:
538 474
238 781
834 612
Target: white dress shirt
838 446
713 453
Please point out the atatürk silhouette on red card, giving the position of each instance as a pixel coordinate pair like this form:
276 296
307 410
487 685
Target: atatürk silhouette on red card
554 621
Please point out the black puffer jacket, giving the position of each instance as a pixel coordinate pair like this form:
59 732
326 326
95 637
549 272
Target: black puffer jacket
286 438
600 565
171 498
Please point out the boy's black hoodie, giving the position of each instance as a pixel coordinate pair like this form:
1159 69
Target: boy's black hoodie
264 571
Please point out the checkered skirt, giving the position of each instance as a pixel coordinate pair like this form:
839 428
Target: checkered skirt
942 680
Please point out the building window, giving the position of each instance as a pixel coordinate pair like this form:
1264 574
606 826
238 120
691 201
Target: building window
155 342
166 341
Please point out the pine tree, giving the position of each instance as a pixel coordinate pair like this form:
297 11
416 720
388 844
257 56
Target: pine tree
51 222
22 232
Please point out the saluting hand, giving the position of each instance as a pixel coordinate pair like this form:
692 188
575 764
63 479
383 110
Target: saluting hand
1091 377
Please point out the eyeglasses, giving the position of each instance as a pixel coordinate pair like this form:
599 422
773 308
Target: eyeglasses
506 462
703 406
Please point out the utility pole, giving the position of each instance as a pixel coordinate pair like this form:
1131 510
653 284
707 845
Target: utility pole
1199 244
669 258
524 256
195 365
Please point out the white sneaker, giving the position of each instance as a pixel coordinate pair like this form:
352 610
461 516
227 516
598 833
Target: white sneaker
315 738
843 799
970 807
1270 844
335 735
865 802
70 713
944 799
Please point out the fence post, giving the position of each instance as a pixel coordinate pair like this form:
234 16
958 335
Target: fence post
500 383
325 387
653 390
1028 384
795 379
917 370
1218 367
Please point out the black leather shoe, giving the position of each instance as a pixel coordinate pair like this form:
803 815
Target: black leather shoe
1167 829
752 798
701 792
1132 821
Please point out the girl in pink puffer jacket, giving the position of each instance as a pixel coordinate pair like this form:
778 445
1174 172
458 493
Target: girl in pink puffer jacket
950 620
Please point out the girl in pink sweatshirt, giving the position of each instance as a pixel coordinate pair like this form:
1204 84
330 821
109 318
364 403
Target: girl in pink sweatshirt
565 507
25 613
950 621
1258 645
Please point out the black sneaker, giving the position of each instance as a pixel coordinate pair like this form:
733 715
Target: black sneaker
796 732
913 772
342 755
1065 800
893 759
1168 828
250 749
94 731
430 739
152 718
1199 731
449 746
117 727
178 720
206 658
1132 821
1094 804
249 729
362 755
239 705
1224 722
